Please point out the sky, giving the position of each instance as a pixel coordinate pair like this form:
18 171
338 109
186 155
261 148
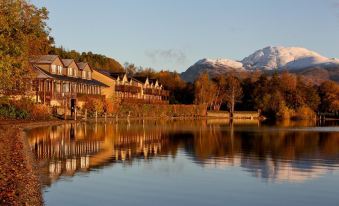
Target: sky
174 34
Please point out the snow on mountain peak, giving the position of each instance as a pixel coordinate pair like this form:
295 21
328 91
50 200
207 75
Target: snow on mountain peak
270 58
220 63
212 67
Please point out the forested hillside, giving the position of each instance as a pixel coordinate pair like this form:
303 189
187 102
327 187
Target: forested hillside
97 61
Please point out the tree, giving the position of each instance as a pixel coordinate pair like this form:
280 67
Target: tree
97 61
308 93
233 92
180 91
248 101
329 94
220 94
130 69
24 33
204 90
261 88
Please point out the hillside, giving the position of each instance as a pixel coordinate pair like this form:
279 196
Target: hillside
97 61
293 59
212 67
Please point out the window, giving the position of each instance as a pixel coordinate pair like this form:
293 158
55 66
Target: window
83 74
70 71
57 87
88 75
75 72
53 69
59 69
65 87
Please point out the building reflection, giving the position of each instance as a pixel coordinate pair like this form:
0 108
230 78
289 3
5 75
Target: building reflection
274 154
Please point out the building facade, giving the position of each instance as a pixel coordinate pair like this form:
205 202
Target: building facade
63 82
66 83
132 89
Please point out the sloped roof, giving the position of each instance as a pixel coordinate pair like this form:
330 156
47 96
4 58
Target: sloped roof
67 62
106 73
134 79
82 65
43 59
117 74
152 81
40 73
71 79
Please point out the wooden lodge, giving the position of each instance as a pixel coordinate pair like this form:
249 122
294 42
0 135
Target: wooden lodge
61 82
64 82
132 89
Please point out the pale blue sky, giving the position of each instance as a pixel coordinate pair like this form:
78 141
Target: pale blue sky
174 34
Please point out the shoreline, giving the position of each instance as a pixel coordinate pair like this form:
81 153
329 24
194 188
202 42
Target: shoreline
19 172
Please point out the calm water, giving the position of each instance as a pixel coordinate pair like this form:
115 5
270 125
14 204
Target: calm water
188 163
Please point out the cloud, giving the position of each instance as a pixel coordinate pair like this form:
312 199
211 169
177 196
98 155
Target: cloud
173 56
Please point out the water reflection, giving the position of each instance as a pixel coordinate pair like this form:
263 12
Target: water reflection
285 153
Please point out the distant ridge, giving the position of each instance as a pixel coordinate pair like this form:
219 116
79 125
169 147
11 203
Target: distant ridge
293 59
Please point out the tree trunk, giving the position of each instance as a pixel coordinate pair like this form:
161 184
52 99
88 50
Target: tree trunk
232 103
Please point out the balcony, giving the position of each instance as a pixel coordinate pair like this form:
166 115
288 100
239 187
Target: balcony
165 93
128 89
156 92
82 97
144 101
57 95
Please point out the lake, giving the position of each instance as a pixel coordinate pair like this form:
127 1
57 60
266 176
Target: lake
203 162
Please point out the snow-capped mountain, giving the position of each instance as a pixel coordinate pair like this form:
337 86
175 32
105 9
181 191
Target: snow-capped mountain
212 67
286 58
294 59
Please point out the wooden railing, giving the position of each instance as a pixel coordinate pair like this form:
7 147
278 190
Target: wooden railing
57 95
84 96
128 88
68 95
165 93
144 101
156 92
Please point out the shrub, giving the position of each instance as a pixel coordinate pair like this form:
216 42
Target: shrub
9 111
283 112
94 105
304 112
23 109
40 111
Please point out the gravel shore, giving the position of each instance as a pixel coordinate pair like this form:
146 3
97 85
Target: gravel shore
19 177
19 181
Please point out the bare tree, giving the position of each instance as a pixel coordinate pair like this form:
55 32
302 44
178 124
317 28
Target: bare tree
233 92
205 90
219 95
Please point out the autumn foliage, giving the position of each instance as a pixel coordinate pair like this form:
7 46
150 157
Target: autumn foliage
24 33
23 109
281 96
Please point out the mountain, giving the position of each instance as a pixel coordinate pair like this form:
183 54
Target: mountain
294 59
289 58
212 67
